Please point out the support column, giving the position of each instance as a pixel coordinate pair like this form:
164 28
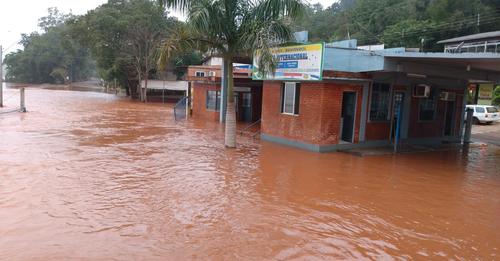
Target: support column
22 104
468 126
364 112
476 94
1 78
223 94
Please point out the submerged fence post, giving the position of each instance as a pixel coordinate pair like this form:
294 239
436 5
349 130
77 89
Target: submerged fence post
22 100
468 125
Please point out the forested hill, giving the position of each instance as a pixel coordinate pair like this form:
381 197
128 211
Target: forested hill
400 22
118 41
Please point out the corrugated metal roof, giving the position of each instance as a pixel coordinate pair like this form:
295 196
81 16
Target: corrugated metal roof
471 37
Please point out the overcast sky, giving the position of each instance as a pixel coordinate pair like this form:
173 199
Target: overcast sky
21 16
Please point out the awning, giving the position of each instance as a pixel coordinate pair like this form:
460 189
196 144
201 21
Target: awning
166 85
465 66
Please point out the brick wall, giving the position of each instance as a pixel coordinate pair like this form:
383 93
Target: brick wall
381 130
199 97
434 128
319 116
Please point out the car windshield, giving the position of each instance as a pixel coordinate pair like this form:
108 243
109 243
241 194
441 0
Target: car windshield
491 109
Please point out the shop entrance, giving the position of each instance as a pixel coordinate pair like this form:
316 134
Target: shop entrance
449 119
348 116
397 118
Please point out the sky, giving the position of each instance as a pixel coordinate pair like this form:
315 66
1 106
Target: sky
21 16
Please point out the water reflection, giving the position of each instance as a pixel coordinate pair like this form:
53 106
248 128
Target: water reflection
91 176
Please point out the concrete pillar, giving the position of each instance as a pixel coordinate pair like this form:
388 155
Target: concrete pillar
22 100
468 126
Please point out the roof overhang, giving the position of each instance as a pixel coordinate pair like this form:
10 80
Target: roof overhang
469 67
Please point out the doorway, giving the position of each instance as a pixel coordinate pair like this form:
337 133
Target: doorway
246 106
397 117
449 119
348 116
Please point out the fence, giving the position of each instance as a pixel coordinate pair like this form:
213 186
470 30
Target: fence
180 109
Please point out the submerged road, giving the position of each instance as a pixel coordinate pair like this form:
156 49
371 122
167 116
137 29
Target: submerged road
88 176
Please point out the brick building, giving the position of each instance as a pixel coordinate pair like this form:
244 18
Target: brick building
365 97
206 92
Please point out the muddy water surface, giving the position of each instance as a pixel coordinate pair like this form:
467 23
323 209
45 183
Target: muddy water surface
87 176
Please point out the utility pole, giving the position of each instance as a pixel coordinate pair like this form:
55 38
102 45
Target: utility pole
1 77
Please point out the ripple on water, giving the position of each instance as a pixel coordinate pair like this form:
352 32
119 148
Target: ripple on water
91 176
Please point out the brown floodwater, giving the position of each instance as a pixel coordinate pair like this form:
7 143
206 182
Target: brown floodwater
89 176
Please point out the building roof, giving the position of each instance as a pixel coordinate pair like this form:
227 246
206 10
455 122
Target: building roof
466 66
471 37
166 85
460 66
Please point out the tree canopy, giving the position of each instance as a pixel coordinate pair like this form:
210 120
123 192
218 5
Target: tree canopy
117 41
49 57
400 22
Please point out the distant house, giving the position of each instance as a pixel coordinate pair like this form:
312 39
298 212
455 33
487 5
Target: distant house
476 43
205 82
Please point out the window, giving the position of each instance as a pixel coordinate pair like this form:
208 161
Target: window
380 101
290 98
426 110
200 74
479 109
491 109
213 100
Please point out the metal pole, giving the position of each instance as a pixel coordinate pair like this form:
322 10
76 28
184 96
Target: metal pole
1 77
468 126
22 100
398 124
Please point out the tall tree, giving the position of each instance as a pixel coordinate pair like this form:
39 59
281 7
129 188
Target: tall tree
51 56
123 37
232 28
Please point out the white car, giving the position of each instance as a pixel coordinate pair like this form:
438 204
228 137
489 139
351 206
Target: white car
484 114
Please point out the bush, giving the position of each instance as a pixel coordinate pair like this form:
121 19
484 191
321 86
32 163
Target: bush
496 96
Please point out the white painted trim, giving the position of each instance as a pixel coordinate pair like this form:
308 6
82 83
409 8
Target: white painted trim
294 98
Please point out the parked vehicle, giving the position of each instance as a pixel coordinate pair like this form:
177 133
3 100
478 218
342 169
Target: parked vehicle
484 114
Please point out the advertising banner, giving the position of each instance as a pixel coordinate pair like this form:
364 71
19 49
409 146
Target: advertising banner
298 62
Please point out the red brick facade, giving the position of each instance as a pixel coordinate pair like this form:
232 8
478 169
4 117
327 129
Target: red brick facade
434 128
319 118
199 99
318 121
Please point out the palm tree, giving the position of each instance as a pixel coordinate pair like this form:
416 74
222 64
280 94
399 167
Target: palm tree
231 29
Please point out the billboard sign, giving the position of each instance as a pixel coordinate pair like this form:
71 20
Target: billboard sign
298 62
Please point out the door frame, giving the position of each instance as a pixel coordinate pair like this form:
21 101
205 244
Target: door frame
250 108
393 114
354 116
453 119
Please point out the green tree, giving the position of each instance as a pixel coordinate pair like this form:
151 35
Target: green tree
49 57
232 28
123 37
496 96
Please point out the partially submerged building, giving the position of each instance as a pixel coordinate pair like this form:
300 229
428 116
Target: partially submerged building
337 96
206 91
